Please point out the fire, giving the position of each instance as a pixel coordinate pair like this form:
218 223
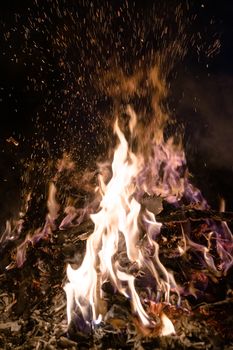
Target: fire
116 230
124 247
167 327
119 249
42 232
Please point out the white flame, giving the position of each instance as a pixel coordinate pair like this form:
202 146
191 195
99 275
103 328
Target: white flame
167 326
116 229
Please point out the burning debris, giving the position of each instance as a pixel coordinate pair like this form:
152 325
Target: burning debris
135 276
130 255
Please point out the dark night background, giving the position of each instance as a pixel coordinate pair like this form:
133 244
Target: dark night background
50 51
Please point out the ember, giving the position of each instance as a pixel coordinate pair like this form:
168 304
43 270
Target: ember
124 251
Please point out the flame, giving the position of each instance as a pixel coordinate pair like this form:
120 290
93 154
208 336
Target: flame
124 244
115 230
117 233
42 232
14 227
167 325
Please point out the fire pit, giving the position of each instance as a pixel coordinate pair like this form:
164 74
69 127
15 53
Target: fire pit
124 252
